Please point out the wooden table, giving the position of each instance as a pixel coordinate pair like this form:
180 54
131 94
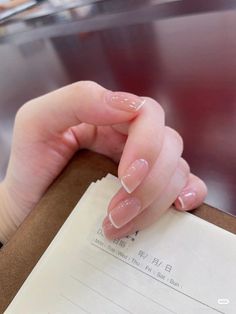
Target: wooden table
22 252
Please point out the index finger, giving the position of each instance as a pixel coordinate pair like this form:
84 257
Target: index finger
143 145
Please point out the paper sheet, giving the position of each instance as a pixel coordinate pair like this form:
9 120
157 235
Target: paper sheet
182 264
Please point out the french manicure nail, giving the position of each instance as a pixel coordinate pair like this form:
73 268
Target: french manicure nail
124 101
124 211
186 199
111 232
134 175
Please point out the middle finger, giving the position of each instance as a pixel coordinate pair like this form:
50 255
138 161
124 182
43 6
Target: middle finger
124 207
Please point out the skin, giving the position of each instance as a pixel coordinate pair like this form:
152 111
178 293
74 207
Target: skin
50 129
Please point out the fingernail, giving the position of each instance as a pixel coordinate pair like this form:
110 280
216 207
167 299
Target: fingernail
134 175
124 101
124 211
111 232
186 200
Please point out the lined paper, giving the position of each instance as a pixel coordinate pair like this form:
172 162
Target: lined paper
182 264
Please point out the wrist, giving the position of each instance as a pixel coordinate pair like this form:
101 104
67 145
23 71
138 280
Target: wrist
8 221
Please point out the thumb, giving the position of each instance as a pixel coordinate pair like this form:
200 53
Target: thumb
84 101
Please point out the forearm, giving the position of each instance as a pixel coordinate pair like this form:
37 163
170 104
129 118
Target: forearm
8 223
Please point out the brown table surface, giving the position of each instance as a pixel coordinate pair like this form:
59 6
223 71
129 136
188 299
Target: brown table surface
182 53
22 252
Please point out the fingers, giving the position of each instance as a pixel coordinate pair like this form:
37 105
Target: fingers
181 183
44 134
142 145
124 207
59 123
80 102
104 140
156 209
192 195
144 142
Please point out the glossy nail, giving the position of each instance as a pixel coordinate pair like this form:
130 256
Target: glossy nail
134 175
111 232
186 200
124 101
124 211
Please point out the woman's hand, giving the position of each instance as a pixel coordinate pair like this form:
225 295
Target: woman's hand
129 129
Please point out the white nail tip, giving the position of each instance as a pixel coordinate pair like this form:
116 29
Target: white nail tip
141 104
112 221
181 202
125 187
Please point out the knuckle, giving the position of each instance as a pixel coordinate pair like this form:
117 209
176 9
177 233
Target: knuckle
184 167
23 112
88 89
183 172
86 85
200 184
176 136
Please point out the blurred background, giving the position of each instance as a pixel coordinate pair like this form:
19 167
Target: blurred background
180 52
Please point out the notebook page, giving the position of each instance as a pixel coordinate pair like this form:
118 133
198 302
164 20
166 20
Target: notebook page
182 264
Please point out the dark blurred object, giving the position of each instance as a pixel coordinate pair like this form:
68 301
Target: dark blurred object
186 61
